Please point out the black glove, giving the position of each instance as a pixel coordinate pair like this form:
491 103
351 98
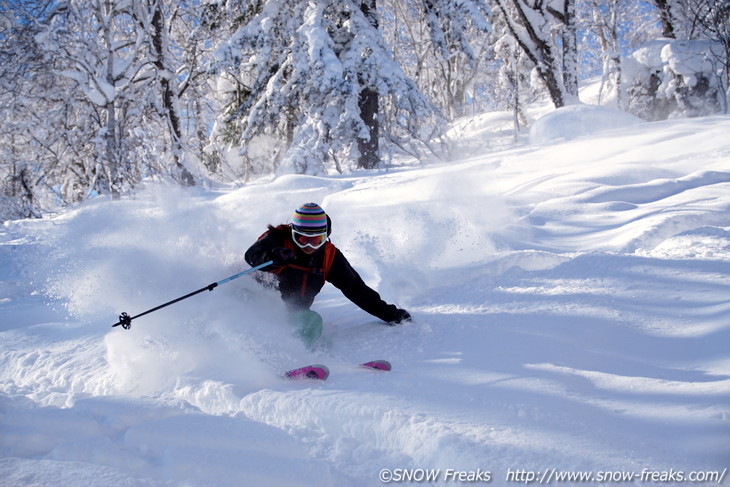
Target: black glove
282 255
400 316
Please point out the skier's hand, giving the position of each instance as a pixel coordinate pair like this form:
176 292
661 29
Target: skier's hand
401 316
282 255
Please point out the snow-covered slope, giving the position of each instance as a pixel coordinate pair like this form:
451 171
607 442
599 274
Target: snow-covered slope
571 303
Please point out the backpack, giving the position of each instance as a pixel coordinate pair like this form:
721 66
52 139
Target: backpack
329 256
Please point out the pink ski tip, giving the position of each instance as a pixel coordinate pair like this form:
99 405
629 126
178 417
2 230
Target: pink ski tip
378 365
317 372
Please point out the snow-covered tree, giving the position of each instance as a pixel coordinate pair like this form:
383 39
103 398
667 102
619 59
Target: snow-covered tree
546 32
601 21
46 142
515 89
98 95
456 29
675 78
608 30
443 45
166 78
18 180
710 19
683 70
292 81
110 93
100 45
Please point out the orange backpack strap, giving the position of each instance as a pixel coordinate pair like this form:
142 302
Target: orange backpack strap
329 257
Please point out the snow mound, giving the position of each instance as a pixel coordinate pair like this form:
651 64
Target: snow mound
578 120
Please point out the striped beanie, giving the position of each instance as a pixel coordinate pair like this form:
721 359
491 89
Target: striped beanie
309 218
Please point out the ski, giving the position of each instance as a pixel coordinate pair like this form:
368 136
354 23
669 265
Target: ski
321 372
383 365
316 372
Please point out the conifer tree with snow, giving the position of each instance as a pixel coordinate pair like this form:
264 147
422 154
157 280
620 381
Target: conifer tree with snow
308 87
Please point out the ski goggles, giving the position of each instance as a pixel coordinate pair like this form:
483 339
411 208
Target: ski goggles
311 240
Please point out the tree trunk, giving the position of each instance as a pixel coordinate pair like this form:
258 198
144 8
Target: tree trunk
369 148
111 151
112 134
369 104
537 49
169 96
666 18
570 49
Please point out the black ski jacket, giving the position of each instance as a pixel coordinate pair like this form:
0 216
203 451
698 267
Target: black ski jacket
302 279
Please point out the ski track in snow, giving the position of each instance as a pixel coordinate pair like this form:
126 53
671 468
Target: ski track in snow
571 305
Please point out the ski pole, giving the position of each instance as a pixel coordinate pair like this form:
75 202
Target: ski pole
126 321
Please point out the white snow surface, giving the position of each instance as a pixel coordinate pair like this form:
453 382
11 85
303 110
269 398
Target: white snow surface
571 304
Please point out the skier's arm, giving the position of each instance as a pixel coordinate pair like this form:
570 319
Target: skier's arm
347 280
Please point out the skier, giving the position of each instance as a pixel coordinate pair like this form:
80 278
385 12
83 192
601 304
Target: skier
304 259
